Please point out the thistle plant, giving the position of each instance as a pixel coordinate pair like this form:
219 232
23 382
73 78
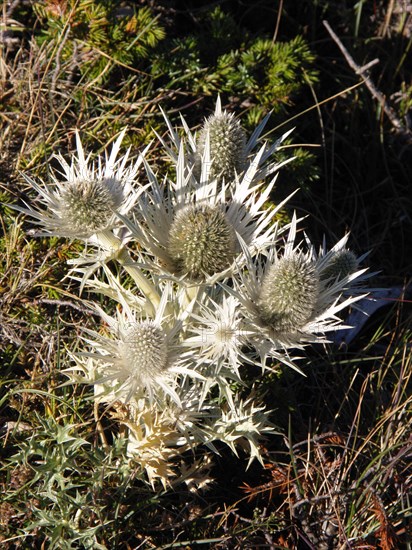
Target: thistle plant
206 282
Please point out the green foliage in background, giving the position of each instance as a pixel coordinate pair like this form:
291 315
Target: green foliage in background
218 57
112 61
99 35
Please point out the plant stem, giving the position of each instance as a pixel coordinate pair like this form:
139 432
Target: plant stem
112 243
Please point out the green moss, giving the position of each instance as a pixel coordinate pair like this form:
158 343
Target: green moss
99 36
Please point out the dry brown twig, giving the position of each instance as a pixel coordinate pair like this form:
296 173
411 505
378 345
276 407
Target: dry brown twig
362 72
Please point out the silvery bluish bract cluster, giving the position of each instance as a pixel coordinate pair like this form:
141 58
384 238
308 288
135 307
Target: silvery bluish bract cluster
207 282
86 202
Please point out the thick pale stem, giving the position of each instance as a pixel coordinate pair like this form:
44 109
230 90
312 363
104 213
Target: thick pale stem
124 259
109 242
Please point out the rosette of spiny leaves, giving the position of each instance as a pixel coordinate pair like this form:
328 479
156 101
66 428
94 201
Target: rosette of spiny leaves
140 355
158 437
286 300
222 150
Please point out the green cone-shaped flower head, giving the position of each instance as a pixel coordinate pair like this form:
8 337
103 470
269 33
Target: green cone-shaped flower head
86 207
341 264
143 352
289 294
201 241
227 141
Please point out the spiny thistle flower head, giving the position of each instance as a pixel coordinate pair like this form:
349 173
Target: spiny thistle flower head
341 264
201 241
289 293
133 363
86 200
220 150
284 303
86 207
227 142
339 269
140 357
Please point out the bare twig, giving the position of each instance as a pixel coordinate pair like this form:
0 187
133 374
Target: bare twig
362 71
275 34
